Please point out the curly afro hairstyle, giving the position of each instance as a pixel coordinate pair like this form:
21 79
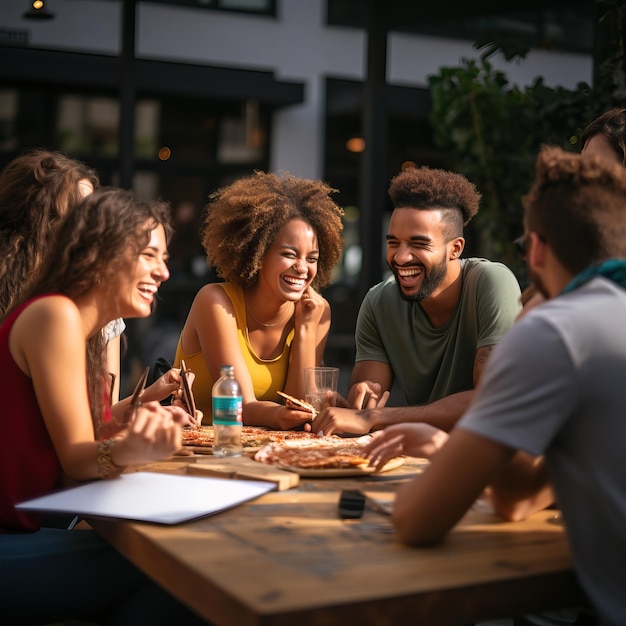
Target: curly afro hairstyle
243 219
426 188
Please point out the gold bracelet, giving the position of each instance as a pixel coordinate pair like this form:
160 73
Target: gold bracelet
106 467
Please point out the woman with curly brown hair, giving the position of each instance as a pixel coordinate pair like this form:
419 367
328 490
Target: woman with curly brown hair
37 190
275 241
106 261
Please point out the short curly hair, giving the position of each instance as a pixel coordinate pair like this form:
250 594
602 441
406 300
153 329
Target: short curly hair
577 204
243 219
427 188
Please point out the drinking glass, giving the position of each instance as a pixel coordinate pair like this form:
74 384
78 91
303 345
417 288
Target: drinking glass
320 383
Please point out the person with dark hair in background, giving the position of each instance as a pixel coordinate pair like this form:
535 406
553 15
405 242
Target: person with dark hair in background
604 138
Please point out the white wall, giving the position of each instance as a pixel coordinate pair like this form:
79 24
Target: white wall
295 46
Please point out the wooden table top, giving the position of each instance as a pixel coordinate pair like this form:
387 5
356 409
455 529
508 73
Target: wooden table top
287 558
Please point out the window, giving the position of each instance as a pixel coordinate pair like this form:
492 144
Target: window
258 7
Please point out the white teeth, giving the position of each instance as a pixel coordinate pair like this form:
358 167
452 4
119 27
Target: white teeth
407 273
151 289
294 281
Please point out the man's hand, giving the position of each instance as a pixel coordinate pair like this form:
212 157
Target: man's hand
418 440
336 419
366 395
339 420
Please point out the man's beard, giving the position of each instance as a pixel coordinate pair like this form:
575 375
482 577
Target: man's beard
430 281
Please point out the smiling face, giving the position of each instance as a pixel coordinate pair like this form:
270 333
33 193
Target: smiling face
418 252
141 276
290 264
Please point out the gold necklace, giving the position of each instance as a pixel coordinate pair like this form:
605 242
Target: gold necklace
263 323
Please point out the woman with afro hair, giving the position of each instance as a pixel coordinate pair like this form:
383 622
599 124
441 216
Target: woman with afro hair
274 240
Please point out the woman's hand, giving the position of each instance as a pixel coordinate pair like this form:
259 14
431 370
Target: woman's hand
168 384
367 395
182 417
287 418
418 440
310 308
153 434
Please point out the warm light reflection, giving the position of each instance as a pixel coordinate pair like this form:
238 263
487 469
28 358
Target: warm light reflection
165 153
407 165
38 4
355 144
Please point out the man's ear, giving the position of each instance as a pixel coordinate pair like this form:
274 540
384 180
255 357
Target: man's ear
536 251
456 247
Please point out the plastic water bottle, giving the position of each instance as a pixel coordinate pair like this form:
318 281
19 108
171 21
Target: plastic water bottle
227 414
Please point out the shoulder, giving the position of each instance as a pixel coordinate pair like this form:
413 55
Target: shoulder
483 273
47 319
215 292
54 307
212 300
475 266
382 290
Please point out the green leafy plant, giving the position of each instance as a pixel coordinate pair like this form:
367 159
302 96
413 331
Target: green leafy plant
492 129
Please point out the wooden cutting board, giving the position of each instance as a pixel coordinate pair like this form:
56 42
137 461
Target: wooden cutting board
245 468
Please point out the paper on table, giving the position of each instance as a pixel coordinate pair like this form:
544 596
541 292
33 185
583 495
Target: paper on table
151 497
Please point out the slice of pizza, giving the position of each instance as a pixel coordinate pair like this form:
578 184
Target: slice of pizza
295 403
326 453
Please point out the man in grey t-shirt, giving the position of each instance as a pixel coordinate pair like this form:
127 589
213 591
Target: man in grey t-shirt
551 401
430 326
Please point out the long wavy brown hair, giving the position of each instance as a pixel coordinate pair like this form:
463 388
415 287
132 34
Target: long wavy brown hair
36 191
89 249
243 219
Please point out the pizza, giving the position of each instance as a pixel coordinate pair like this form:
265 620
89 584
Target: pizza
200 437
329 452
251 436
296 403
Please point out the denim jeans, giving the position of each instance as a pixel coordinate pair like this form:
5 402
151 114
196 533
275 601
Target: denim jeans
54 574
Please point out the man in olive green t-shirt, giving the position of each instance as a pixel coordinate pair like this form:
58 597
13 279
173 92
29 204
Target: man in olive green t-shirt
433 323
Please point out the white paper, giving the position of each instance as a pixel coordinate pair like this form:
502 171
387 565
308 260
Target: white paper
151 497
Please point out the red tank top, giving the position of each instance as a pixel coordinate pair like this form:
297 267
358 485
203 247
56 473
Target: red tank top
29 466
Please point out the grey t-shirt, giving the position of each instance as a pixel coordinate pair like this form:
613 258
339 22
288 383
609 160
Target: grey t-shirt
556 385
431 363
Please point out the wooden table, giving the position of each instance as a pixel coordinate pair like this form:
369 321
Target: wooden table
286 558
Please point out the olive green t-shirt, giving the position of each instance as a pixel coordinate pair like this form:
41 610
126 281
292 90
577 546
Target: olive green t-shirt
430 363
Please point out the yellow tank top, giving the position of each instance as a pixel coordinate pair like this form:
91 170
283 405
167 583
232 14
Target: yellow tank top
268 376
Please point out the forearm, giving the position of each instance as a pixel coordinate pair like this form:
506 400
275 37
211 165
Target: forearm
304 351
521 488
443 414
261 413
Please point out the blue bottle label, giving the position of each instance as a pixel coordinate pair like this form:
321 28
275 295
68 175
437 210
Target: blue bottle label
227 411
